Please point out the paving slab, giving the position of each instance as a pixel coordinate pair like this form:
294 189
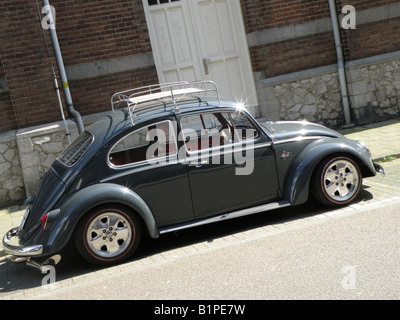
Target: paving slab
383 139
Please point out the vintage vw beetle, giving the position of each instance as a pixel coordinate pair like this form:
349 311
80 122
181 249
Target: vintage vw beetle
178 156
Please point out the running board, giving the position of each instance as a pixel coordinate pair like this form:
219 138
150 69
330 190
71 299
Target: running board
226 216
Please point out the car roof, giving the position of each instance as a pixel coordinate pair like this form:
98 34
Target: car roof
121 119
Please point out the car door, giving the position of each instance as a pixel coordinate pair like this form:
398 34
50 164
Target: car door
230 163
145 161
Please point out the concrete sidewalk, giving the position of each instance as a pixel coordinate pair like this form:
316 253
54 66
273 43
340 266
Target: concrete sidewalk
383 140
9 218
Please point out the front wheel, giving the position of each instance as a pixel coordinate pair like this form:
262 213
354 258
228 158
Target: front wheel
107 235
337 181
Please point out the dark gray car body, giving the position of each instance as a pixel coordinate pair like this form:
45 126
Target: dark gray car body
286 155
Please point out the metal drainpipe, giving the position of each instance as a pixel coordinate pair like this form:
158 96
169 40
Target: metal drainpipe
340 62
60 64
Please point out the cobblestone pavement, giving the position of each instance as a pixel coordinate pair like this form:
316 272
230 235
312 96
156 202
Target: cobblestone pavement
17 281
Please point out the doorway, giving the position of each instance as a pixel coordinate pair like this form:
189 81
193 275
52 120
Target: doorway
202 40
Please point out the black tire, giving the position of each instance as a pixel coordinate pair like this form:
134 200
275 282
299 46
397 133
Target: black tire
336 181
107 235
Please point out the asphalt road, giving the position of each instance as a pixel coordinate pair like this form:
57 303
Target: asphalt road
351 256
306 252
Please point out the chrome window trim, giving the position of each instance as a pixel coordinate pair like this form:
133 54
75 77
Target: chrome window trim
299 138
157 163
138 163
139 168
230 118
222 150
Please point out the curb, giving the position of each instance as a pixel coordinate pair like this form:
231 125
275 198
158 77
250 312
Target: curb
381 159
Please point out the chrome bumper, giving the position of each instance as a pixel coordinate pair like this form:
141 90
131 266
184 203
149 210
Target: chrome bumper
11 245
379 168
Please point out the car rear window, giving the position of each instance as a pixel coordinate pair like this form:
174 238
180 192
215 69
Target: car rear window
76 149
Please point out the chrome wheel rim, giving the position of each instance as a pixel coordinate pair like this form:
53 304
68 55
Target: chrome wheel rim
341 180
109 234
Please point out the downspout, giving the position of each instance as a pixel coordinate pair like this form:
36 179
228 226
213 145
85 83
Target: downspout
60 64
340 63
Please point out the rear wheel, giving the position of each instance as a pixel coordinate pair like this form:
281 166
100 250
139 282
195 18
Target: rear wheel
337 181
107 235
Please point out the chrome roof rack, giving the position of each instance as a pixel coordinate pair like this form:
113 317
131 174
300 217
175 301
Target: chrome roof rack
165 92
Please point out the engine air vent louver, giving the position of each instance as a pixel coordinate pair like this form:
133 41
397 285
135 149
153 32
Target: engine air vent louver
73 153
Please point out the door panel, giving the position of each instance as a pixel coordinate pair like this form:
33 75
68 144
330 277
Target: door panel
225 28
145 161
173 41
163 38
227 170
180 36
171 76
217 188
223 46
206 20
159 187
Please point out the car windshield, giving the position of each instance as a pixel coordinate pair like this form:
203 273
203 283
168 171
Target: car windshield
266 127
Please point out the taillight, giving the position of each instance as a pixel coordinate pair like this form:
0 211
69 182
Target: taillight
48 219
44 220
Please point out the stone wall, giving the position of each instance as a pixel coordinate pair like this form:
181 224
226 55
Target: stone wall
314 95
38 147
11 182
25 156
375 88
316 99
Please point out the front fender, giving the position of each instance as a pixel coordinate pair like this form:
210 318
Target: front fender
297 183
72 210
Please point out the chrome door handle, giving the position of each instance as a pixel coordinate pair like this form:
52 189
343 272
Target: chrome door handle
197 164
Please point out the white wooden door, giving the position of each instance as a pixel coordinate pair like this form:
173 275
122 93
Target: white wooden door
172 39
202 40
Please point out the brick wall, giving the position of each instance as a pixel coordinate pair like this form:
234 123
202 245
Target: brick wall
88 31
317 49
373 38
261 14
25 66
281 57
93 95
94 30
294 55
6 113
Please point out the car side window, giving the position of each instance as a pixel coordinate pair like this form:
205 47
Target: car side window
209 130
244 130
150 142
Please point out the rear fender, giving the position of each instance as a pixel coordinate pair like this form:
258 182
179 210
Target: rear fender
297 184
73 209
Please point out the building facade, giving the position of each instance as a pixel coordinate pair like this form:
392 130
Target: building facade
277 56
